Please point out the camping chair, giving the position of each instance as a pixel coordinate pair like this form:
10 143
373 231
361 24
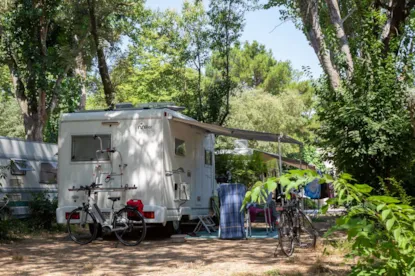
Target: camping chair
266 209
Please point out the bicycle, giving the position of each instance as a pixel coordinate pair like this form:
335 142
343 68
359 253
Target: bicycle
128 224
295 226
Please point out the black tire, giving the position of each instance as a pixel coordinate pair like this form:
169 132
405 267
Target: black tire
286 234
133 224
82 230
99 231
171 228
306 233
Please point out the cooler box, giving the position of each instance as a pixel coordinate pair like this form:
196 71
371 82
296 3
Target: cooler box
137 204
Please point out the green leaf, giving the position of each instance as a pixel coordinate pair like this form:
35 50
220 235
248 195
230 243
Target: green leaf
396 233
413 225
284 180
384 199
255 194
390 223
324 209
363 188
347 176
385 214
341 194
331 201
380 207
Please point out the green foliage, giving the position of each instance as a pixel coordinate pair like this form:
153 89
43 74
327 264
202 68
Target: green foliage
12 229
380 227
364 111
11 121
284 114
245 169
42 210
259 192
226 18
395 188
367 127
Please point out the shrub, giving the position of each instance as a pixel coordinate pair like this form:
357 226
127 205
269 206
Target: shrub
381 228
43 211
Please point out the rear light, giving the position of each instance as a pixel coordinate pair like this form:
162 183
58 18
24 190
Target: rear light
149 215
74 215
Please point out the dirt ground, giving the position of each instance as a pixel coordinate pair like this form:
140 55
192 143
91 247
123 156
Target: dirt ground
56 255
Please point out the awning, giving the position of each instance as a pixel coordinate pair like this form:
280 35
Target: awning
288 161
239 133
267 156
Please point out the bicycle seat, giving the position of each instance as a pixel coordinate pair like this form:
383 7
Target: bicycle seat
114 198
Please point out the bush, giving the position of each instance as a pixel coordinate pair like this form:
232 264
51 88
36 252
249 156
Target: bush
381 228
43 211
12 228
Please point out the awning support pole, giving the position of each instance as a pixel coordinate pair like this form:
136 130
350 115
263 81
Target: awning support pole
280 163
279 155
301 157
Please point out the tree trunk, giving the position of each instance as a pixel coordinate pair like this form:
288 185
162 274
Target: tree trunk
102 64
33 123
309 14
81 72
34 127
335 17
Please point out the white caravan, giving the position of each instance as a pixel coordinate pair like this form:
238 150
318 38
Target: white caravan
170 162
26 167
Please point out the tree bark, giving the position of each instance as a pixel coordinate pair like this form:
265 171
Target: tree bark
80 70
336 19
310 18
397 11
102 64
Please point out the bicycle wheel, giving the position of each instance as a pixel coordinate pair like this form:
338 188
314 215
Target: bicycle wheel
79 224
306 233
286 234
129 226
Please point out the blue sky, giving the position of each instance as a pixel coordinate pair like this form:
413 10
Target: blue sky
286 42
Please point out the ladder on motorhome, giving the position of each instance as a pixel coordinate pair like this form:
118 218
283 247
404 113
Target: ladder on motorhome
206 222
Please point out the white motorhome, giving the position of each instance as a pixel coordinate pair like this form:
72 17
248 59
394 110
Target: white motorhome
168 156
150 145
26 167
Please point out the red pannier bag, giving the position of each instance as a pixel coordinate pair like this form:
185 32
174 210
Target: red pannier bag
137 204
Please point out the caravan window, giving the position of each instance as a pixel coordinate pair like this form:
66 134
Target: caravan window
20 167
179 147
84 148
208 157
48 173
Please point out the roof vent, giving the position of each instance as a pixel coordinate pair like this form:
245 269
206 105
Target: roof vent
160 105
124 105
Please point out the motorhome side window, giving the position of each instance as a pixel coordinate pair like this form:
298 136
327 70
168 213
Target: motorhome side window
19 166
48 173
179 147
208 157
84 148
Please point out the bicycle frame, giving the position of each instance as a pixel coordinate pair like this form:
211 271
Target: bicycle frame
93 208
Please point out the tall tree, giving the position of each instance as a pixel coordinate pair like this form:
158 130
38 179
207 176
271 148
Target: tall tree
366 51
102 62
227 20
38 46
196 30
